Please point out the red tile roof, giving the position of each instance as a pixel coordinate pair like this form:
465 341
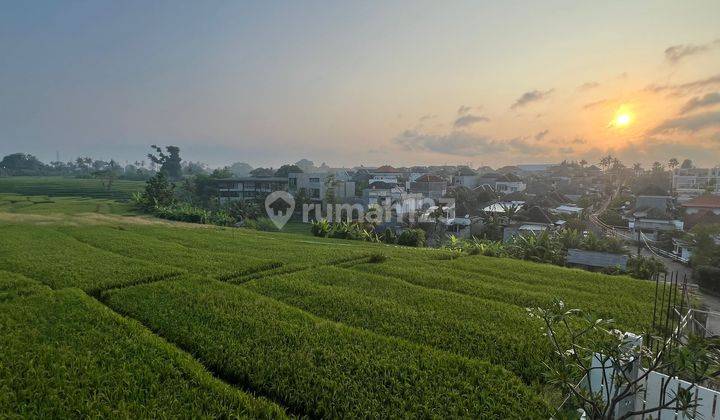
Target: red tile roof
386 169
703 218
712 201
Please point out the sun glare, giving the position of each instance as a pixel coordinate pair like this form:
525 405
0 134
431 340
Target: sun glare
623 118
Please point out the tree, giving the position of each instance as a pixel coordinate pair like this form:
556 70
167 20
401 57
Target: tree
240 169
84 163
606 162
262 172
673 163
583 163
585 346
108 174
284 170
193 168
21 164
330 189
221 173
170 163
637 167
158 192
657 167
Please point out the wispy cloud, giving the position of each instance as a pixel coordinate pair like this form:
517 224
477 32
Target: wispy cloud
701 102
541 135
588 86
676 53
469 119
463 110
579 140
691 124
428 117
531 96
685 88
594 104
462 143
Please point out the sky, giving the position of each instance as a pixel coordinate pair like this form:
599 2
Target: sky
363 82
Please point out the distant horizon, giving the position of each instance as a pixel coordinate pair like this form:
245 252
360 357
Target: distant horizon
478 83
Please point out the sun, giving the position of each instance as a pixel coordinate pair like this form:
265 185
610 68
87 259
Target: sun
623 118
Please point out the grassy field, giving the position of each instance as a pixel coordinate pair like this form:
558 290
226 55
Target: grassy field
135 317
58 186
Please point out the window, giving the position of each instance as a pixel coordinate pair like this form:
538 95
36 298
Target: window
315 192
316 180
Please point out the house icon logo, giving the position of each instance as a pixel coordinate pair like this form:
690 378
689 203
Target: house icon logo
279 206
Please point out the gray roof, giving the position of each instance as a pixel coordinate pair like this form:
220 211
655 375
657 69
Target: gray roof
596 259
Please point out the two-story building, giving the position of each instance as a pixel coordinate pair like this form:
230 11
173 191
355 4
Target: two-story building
249 188
316 184
692 182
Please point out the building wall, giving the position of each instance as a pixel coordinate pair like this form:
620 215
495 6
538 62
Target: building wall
429 189
249 188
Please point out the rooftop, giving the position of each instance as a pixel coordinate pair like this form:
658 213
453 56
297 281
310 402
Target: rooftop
386 169
708 200
429 178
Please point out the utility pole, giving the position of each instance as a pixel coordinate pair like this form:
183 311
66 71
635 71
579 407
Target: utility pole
637 229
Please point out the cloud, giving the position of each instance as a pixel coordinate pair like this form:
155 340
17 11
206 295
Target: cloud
567 150
463 110
588 86
691 124
469 119
428 117
594 104
531 96
656 149
579 140
541 135
684 88
462 143
676 53
695 103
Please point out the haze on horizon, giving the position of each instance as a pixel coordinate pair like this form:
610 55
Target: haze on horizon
395 82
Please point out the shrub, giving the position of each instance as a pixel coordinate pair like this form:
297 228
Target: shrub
320 228
222 218
183 213
644 267
377 258
265 225
708 277
389 236
412 237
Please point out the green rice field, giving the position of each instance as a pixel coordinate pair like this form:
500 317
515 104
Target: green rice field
106 313
58 186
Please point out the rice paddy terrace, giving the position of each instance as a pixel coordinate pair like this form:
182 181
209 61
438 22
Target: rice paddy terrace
107 314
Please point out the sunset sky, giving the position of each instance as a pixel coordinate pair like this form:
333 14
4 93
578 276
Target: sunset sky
352 83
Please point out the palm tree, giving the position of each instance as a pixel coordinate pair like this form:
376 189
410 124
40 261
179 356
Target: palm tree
637 167
583 163
606 162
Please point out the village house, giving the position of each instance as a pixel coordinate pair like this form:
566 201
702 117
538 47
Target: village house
431 186
702 210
